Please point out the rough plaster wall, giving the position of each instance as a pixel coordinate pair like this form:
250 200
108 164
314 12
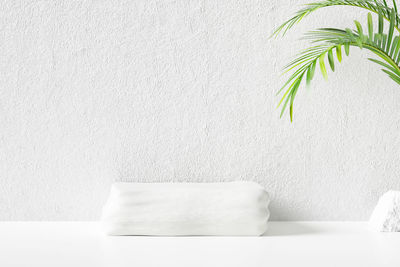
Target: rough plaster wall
99 91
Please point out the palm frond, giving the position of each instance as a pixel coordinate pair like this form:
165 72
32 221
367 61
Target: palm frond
330 40
375 6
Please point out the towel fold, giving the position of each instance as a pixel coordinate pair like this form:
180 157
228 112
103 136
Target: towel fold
173 209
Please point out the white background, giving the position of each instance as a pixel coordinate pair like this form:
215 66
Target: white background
93 92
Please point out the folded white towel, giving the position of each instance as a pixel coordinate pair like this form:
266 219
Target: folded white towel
170 209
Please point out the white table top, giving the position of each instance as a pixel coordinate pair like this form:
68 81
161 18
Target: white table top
76 244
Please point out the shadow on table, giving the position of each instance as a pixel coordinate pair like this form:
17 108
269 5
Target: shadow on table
290 229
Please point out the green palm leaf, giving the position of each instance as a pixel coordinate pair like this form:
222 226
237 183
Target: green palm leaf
375 6
330 60
322 66
339 53
382 45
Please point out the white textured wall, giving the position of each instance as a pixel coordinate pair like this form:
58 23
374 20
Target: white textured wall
98 91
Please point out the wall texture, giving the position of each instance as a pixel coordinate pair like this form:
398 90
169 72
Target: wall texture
93 92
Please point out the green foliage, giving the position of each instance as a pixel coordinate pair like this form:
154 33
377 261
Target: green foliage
376 6
327 40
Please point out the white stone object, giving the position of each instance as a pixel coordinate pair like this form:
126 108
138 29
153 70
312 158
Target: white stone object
386 215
